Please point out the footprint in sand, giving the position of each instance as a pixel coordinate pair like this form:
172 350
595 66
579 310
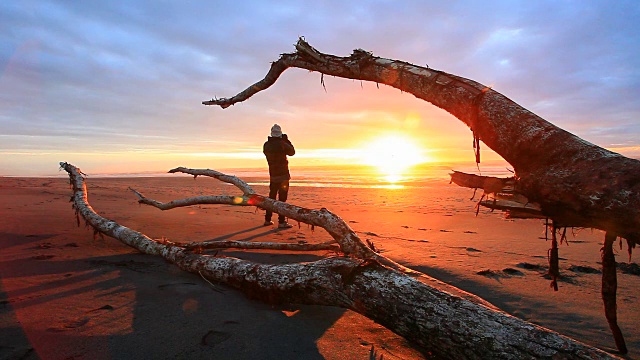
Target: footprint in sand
106 307
175 285
530 266
584 269
213 338
512 271
74 324
505 273
629 268
42 257
77 323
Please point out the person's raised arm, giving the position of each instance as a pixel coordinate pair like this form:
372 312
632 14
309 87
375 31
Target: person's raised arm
287 145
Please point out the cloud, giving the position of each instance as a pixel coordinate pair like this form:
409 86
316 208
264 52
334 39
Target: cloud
105 74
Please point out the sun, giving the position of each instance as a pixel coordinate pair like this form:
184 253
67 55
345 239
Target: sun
393 155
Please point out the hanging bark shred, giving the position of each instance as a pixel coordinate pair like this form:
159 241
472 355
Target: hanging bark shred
609 289
473 122
420 308
554 268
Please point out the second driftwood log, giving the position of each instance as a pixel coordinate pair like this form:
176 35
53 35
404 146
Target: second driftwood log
411 304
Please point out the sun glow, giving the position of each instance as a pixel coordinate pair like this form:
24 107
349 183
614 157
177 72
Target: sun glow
393 155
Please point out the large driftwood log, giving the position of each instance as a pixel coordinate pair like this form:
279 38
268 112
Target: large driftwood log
575 182
571 181
448 326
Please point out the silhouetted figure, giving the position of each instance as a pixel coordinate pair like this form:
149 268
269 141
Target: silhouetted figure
276 149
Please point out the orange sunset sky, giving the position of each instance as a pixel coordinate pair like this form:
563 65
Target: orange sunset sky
116 87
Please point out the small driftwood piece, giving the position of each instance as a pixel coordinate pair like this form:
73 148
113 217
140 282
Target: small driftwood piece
349 242
609 289
413 306
505 198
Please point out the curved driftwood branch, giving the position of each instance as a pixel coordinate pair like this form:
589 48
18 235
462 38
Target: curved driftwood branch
199 200
230 179
446 325
571 181
576 183
349 242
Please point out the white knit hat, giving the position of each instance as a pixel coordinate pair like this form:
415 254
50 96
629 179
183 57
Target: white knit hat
276 131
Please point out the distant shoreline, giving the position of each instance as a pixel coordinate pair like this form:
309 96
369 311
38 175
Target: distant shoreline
323 174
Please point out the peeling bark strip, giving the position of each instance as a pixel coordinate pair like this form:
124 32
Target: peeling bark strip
489 184
446 325
554 259
609 289
576 183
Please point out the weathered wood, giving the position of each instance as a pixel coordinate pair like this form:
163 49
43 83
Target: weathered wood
348 241
445 325
554 259
609 289
520 209
490 184
576 183
250 245
230 179
505 197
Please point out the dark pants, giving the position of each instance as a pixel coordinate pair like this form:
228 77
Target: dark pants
282 190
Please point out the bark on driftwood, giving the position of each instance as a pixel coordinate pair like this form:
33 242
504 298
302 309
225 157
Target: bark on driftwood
575 182
571 181
410 304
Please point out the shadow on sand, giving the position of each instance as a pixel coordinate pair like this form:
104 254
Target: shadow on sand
138 306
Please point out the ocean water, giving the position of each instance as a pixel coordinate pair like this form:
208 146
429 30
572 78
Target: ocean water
421 176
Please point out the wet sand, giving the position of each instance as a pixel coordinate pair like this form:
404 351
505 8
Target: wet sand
67 294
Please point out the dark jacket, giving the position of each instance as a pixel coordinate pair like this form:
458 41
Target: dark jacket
276 150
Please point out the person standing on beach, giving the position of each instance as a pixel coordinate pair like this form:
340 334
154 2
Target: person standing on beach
276 149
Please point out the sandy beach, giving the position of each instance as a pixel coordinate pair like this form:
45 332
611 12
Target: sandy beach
67 294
